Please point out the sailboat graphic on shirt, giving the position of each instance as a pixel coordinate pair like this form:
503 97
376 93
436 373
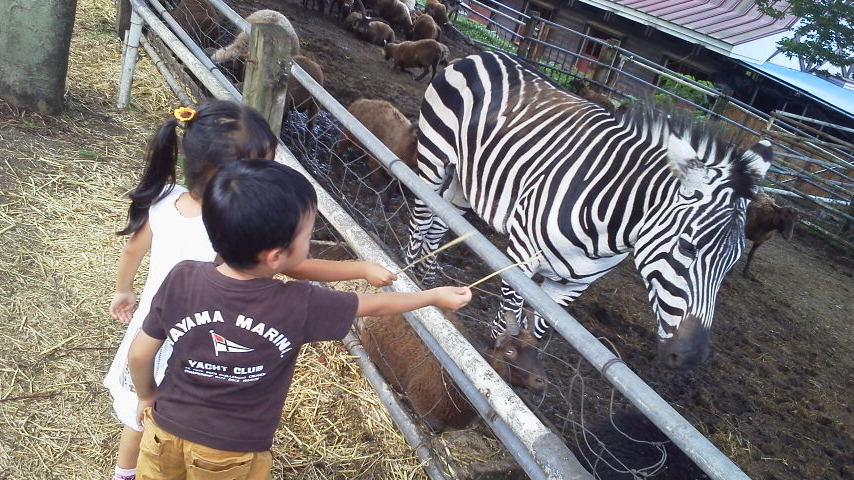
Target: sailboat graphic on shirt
223 345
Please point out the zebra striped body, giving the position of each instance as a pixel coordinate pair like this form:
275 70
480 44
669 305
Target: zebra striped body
563 176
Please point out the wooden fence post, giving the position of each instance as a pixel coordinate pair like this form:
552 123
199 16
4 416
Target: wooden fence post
265 86
607 55
527 46
123 10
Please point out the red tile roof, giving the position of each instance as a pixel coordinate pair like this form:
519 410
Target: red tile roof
731 21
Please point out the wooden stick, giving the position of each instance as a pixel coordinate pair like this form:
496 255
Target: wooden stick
508 267
450 244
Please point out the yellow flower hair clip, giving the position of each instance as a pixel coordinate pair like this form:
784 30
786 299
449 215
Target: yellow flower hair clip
184 115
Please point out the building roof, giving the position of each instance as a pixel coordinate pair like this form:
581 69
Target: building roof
716 24
823 91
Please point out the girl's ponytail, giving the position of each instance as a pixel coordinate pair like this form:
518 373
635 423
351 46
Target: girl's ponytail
159 176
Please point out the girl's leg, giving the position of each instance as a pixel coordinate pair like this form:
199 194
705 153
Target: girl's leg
128 448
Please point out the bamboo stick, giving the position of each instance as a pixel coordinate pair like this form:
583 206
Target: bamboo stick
508 267
450 244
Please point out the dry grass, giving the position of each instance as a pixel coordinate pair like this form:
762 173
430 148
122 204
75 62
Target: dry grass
62 186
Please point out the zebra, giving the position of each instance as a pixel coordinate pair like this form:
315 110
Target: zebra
561 175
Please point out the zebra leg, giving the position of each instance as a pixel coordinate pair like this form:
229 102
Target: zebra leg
563 292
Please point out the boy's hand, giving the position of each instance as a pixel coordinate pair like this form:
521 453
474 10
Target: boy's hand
140 411
377 275
121 308
452 298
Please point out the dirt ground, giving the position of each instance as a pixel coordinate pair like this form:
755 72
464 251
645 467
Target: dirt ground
775 396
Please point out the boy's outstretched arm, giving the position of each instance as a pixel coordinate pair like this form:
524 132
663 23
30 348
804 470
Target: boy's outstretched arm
332 271
451 298
141 366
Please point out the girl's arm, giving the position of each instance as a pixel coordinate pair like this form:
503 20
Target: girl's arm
121 308
141 366
450 298
331 271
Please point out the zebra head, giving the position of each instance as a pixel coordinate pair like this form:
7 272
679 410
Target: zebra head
693 236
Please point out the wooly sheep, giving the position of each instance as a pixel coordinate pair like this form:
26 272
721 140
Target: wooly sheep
345 7
391 127
438 11
240 45
411 369
637 452
764 217
424 27
350 21
376 32
298 96
426 54
396 13
200 20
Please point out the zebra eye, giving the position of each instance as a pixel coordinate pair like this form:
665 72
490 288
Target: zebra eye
687 248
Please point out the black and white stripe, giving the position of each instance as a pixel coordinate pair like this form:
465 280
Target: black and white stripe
560 174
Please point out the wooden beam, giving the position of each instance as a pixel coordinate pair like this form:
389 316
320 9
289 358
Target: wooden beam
265 85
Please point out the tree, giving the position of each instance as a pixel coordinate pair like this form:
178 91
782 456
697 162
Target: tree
825 33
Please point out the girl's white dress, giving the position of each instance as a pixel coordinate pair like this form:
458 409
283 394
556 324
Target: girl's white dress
175 238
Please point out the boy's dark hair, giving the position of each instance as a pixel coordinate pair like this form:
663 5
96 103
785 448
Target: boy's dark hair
254 205
220 132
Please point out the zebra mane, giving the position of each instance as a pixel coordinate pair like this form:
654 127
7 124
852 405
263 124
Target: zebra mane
714 145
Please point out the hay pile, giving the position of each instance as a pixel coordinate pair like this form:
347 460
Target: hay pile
62 187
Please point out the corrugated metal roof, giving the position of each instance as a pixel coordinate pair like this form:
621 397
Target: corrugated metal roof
730 21
828 93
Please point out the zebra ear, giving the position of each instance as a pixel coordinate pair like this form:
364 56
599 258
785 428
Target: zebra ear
684 164
750 168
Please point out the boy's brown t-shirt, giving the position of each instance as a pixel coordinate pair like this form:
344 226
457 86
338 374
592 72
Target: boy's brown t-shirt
235 345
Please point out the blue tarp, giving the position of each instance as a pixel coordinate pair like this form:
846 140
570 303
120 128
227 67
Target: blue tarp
821 90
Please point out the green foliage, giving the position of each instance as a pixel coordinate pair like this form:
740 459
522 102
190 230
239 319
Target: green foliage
825 34
685 91
479 32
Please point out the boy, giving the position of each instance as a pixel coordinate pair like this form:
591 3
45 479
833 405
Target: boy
236 332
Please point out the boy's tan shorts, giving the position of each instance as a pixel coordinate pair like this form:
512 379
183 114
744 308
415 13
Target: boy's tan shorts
163 456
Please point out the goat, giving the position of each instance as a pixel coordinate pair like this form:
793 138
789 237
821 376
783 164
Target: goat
298 96
239 47
636 448
200 20
412 370
438 11
391 127
764 217
420 53
424 27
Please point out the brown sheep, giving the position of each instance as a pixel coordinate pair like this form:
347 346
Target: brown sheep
391 127
351 20
764 217
200 20
411 369
424 27
438 11
396 13
240 46
298 96
420 53
376 32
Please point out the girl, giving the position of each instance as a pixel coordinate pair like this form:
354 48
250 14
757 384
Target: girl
165 218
